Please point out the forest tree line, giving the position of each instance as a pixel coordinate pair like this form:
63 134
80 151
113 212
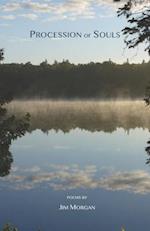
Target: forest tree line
65 80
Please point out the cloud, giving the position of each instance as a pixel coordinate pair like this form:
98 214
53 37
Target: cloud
56 18
37 6
137 182
29 16
69 177
65 9
7 17
33 169
12 6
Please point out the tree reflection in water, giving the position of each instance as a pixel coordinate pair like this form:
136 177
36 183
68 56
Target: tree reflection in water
147 149
147 102
10 129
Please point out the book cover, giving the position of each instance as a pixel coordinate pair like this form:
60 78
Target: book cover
74 115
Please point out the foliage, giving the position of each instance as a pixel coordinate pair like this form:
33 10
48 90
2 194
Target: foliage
137 14
10 129
1 54
9 227
123 229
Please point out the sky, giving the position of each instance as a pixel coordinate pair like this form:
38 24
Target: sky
18 18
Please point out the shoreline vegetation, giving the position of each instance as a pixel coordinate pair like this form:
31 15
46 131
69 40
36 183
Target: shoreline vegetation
66 115
10 227
65 80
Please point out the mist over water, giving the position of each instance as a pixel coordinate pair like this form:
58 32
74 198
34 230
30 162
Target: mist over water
89 115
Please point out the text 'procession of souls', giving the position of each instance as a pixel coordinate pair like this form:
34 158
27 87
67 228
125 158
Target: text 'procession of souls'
65 35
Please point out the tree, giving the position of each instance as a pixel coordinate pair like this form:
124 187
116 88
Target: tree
44 63
1 54
10 129
9 227
137 13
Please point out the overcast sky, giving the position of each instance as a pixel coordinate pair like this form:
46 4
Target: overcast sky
18 18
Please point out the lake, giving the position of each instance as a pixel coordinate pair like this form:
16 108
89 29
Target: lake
88 157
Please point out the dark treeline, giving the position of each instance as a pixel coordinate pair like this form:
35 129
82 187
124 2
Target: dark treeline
66 80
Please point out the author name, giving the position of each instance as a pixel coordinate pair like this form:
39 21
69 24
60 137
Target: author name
76 207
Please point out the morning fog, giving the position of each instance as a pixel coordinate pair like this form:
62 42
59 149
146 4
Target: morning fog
65 35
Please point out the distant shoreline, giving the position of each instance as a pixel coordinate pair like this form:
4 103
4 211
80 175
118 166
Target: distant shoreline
65 80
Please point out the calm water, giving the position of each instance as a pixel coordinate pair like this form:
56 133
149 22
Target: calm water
107 167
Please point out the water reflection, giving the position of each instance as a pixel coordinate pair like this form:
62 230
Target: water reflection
91 116
10 129
109 167
68 115
73 177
